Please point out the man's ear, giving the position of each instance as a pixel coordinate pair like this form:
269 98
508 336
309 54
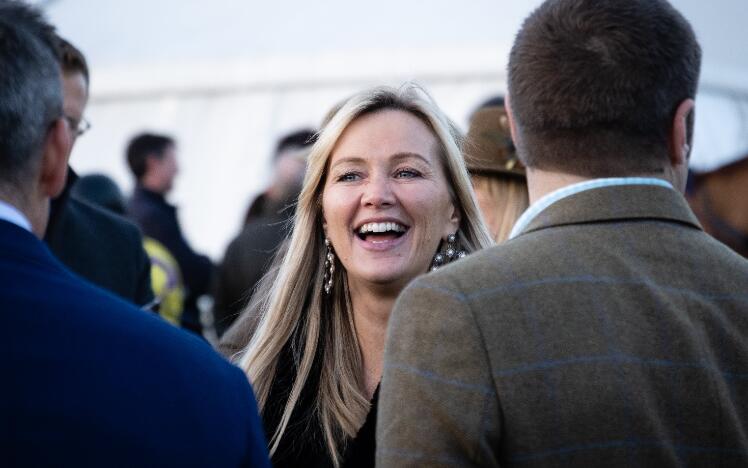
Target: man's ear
54 163
679 147
510 117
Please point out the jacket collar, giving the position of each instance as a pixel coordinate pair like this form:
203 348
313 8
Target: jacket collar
58 203
150 195
616 203
18 243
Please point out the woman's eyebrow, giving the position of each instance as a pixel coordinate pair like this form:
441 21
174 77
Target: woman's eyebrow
348 160
397 157
409 155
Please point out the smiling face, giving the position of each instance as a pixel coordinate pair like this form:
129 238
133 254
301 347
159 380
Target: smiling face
386 204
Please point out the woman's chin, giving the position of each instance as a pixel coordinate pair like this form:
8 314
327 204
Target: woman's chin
391 275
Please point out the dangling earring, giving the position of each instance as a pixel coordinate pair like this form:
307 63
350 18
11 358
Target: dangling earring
451 253
329 266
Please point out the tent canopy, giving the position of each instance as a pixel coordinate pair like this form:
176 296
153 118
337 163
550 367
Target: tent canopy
227 78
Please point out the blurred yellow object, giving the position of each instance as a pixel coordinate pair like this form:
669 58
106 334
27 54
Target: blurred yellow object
166 281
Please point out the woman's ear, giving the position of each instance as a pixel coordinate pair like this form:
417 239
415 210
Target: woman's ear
454 220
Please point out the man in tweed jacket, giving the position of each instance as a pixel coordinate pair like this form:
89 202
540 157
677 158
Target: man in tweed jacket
610 330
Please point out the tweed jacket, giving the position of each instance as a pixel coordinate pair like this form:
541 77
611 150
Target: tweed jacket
611 332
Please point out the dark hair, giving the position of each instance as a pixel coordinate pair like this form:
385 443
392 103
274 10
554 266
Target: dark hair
30 89
71 59
100 190
495 101
141 147
594 84
297 139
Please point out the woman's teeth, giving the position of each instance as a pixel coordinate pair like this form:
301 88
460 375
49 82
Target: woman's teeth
381 227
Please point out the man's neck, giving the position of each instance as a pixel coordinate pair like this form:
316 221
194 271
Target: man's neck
148 190
20 214
152 186
542 182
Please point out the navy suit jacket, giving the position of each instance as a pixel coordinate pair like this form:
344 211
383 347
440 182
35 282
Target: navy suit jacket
89 380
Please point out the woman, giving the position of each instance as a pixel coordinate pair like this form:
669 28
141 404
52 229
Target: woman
385 187
498 177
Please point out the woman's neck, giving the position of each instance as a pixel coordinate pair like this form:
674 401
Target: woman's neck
371 312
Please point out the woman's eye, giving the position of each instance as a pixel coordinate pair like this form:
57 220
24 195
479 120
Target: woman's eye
407 173
348 177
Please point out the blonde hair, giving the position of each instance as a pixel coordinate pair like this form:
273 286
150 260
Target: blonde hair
290 302
502 201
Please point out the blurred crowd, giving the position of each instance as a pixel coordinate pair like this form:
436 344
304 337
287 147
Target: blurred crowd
179 276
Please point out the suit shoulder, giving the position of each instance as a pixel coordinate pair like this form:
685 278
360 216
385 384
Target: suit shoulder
103 221
724 255
496 263
141 333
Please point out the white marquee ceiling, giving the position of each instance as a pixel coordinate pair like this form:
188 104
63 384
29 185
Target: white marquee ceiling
226 77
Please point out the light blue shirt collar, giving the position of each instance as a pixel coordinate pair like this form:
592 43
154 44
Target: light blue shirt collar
551 198
11 214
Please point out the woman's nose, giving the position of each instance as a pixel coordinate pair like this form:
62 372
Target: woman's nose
378 192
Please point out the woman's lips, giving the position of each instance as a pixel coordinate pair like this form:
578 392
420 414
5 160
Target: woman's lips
379 243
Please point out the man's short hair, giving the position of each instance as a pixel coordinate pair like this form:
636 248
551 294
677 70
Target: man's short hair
296 140
141 147
594 84
30 90
71 59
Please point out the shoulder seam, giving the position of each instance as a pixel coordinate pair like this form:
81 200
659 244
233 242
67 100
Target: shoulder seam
458 296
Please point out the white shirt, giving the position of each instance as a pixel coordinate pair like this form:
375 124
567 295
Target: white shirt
550 198
11 214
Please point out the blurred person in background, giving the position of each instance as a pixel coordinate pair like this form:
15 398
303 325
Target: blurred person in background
498 175
720 200
285 173
266 225
166 279
386 197
89 380
102 248
152 160
102 191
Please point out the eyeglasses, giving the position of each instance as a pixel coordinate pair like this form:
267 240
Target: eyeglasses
78 126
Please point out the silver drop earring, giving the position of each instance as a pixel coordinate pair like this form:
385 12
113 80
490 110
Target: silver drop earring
450 253
329 266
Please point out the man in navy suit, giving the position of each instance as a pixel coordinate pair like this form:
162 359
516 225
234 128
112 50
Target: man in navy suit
81 387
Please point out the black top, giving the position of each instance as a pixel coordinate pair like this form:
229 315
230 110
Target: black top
303 443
